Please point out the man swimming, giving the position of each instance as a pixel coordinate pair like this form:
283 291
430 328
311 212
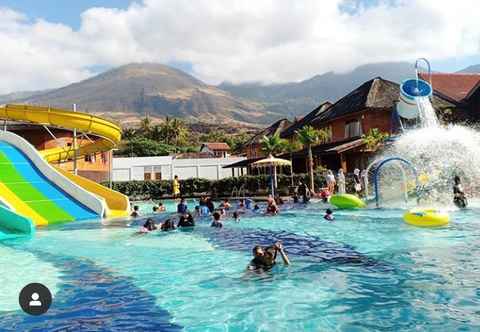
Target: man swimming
264 258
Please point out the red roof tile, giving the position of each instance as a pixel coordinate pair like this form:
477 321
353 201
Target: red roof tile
217 146
455 86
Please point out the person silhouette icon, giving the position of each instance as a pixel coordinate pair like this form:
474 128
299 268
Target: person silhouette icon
35 302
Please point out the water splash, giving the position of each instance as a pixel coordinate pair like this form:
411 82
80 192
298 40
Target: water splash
439 153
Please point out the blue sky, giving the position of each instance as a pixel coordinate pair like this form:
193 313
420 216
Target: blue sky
229 40
68 12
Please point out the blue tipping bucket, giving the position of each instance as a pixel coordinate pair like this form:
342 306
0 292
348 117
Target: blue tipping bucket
410 90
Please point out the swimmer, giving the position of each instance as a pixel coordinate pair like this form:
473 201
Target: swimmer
236 216
167 225
186 221
182 207
226 204
256 208
329 215
161 207
459 198
136 212
264 258
272 208
155 209
148 226
216 220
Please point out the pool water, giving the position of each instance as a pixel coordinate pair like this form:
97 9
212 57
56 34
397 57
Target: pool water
365 271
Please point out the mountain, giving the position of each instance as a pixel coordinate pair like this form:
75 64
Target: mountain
474 69
4 99
129 92
299 98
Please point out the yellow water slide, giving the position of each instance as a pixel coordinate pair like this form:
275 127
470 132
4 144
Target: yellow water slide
108 136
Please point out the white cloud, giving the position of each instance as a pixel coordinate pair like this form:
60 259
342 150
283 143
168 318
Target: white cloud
271 40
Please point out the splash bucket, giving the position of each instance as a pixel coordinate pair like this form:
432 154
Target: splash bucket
410 90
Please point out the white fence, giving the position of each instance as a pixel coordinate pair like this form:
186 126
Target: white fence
165 168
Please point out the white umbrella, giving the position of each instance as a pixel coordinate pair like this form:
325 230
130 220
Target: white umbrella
271 161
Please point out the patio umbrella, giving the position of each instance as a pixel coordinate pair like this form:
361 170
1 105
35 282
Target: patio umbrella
271 161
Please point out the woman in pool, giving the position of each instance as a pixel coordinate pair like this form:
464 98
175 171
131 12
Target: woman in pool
264 258
226 204
161 207
272 208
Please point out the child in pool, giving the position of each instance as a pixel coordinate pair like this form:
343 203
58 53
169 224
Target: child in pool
329 215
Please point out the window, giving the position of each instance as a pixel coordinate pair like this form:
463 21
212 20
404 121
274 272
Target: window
353 129
89 158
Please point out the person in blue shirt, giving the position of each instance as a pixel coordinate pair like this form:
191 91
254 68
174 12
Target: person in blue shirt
182 207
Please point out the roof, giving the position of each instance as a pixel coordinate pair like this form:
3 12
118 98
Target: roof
375 94
276 127
331 147
290 131
243 163
455 86
217 146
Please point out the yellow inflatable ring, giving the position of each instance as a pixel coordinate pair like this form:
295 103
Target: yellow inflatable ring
426 218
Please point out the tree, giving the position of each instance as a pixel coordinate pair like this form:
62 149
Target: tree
273 144
144 147
308 137
128 133
291 147
146 125
374 138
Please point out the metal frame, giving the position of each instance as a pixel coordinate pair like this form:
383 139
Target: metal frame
385 161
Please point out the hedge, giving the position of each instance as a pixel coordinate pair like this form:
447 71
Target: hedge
252 185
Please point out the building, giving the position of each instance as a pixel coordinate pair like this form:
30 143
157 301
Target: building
371 105
95 167
253 148
216 150
462 90
166 167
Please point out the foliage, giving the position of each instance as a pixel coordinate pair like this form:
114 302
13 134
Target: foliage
310 136
144 147
253 185
273 144
374 138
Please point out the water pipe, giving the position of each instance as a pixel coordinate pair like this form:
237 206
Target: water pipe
428 66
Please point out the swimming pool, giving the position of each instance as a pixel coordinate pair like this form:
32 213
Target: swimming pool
365 271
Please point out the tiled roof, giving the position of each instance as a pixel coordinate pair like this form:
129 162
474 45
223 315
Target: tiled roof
277 127
217 146
306 120
454 86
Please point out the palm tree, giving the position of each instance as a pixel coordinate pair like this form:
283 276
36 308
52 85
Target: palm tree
128 133
290 148
308 137
272 145
145 125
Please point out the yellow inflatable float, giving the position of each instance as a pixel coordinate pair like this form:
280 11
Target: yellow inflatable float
426 218
347 201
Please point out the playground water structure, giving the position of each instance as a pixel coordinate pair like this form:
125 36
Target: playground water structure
34 190
428 155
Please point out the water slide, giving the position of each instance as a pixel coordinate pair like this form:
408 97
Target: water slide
48 195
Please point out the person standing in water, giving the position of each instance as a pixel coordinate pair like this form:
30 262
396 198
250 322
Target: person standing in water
341 182
357 181
330 178
459 198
